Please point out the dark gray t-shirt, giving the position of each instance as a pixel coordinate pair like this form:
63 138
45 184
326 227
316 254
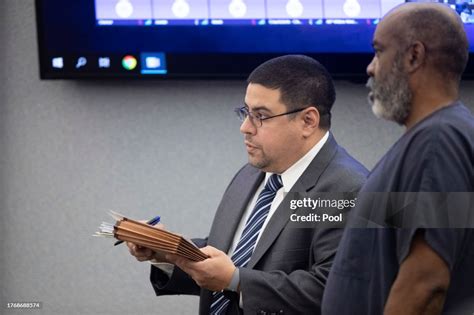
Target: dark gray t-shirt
436 155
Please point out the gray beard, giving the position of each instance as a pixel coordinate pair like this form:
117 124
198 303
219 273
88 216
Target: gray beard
391 97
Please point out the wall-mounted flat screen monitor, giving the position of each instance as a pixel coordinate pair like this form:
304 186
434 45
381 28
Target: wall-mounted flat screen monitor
208 38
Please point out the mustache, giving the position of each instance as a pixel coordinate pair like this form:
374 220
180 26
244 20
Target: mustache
370 83
249 140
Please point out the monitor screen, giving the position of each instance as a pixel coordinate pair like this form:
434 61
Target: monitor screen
208 38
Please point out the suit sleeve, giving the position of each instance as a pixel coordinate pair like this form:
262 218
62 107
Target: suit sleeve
179 282
298 292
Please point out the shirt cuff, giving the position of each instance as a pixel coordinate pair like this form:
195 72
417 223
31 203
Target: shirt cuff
235 281
165 267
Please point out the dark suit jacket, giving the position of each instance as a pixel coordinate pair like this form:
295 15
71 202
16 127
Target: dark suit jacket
289 267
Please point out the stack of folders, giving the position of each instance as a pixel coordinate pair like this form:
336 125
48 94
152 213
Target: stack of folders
145 235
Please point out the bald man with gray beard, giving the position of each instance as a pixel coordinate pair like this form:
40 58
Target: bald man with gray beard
402 262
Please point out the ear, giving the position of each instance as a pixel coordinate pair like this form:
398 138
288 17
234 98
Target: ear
416 56
310 121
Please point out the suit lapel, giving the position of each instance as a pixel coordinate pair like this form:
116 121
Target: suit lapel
226 222
305 183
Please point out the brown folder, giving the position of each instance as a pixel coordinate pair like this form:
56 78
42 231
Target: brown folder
163 241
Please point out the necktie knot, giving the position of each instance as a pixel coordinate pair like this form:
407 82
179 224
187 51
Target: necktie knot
274 183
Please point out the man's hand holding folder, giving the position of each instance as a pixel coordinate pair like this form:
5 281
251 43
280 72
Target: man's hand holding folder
150 239
142 253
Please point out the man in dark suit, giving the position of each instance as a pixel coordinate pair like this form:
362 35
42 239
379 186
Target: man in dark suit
258 262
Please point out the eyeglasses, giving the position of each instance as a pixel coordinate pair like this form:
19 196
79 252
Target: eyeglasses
256 118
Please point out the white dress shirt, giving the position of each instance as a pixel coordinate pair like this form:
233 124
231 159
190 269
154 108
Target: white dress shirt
289 178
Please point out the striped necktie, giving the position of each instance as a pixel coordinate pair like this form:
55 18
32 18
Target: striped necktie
248 239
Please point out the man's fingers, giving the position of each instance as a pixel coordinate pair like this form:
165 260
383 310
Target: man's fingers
132 248
142 258
181 262
210 251
160 257
172 258
139 252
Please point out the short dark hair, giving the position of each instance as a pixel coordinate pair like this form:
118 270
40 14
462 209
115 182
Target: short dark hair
443 36
302 82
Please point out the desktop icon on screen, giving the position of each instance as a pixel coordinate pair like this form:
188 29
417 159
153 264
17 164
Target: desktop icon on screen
57 62
81 62
104 62
153 63
129 62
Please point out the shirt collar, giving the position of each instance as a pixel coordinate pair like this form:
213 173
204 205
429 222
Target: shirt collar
291 175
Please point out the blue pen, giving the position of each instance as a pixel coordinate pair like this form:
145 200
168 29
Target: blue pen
153 221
